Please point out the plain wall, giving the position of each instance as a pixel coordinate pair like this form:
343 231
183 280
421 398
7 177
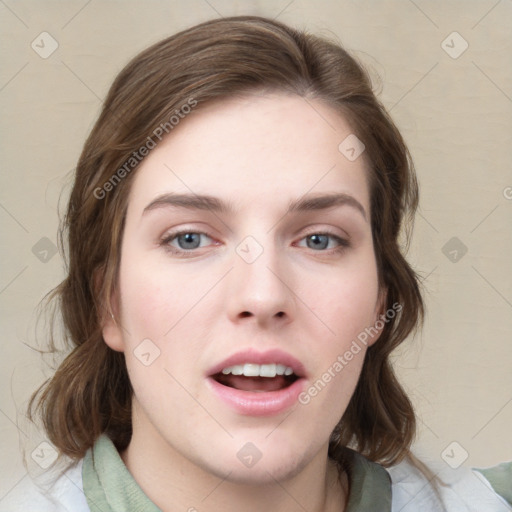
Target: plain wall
455 114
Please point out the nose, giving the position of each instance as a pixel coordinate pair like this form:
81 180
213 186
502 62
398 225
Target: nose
260 288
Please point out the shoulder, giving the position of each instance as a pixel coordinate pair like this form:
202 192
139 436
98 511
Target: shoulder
50 492
452 490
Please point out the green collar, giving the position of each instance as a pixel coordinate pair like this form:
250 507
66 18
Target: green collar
109 486
370 486
500 477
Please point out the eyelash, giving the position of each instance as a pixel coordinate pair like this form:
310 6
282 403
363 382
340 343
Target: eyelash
343 244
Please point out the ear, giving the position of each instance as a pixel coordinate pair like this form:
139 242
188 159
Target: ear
378 321
112 331
380 307
109 317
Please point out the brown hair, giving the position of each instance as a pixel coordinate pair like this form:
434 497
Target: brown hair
90 393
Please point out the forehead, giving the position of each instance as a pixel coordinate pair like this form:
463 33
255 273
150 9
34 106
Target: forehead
254 150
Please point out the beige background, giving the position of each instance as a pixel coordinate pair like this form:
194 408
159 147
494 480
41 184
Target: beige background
456 114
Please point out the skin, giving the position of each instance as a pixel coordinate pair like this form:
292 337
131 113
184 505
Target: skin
257 153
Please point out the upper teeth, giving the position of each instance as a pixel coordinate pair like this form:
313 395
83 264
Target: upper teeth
258 370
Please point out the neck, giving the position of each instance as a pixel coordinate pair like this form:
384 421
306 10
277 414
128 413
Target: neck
174 482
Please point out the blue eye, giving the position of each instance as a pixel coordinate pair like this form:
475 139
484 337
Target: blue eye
186 241
189 240
321 241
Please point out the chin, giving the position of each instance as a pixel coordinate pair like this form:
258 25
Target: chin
262 474
276 465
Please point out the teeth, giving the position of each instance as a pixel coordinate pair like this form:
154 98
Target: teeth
258 370
267 370
280 369
251 370
237 370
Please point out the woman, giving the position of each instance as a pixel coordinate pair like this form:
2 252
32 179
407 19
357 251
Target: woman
235 288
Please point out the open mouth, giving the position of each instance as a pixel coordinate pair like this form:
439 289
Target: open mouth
254 389
255 384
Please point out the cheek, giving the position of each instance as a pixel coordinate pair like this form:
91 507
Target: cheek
346 301
163 306
346 305
157 306
155 299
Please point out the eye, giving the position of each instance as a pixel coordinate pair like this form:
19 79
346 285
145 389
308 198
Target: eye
185 241
322 241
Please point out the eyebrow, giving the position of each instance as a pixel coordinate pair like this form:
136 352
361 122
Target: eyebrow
216 205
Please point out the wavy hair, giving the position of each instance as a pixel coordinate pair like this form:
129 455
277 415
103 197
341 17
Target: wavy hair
90 392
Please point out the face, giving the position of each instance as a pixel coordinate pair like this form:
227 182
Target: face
236 311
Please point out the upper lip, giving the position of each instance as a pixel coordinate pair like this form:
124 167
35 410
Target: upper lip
268 357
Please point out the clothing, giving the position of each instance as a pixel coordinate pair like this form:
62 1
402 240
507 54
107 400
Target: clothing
102 483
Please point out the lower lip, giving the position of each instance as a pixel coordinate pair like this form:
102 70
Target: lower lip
251 403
